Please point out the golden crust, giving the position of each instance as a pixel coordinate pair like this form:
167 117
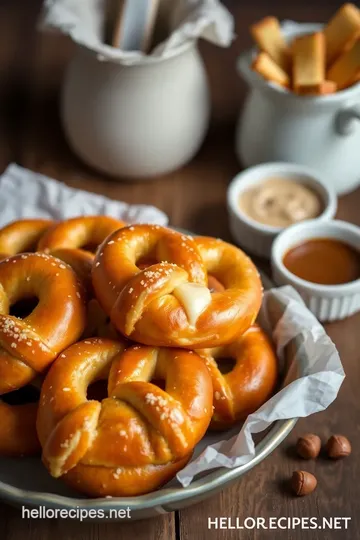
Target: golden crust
29 345
69 239
18 430
248 384
22 236
143 304
140 435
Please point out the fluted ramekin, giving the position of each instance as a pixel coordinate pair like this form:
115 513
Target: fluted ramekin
327 302
256 237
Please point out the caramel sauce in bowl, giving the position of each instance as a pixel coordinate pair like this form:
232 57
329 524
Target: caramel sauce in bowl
324 260
321 260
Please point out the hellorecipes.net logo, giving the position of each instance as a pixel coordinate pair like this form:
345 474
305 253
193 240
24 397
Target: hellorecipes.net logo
80 514
282 523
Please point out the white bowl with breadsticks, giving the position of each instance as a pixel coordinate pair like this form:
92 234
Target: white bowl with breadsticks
303 105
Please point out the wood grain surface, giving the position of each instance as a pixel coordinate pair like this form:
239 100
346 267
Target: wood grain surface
31 68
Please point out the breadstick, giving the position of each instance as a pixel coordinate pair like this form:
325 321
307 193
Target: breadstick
345 70
341 29
266 67
326 87
308 62
267 34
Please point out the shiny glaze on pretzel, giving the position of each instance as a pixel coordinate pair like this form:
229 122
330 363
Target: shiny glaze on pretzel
249 383
70 240
18 430
29 345
138 437
169 302
22 236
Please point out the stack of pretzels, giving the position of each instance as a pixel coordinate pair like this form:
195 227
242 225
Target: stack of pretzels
164 320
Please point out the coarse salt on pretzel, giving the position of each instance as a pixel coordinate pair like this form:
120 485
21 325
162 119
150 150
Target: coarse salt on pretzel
169 303
75 240
22 236
250 381
29 345
139 436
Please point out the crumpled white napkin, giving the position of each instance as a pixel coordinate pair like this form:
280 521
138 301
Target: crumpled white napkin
311 383
26 194
83 21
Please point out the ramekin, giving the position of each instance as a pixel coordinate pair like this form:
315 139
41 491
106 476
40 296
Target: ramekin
327 302
256 237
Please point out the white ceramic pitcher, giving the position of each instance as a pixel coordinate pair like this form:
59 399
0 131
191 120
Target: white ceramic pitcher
136 120
322 132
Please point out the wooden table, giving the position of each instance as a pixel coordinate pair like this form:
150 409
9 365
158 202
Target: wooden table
31 67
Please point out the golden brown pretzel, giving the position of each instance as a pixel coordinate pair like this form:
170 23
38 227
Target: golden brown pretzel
29 345
18 429
22 235
74 241
169 303
140 435
249 383
98 324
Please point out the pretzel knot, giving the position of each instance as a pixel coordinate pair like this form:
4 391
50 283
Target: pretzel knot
248 384
29 345
22 236
75 240
169 303
136 438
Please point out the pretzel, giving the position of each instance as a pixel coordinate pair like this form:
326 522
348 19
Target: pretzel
18 430
20 236
248 384
169 303
69 241
98 324
140 435
29 345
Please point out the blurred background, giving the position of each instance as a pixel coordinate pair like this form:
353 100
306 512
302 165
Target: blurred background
31 69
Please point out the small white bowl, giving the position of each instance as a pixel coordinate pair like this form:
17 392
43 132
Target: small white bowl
256 237
327 302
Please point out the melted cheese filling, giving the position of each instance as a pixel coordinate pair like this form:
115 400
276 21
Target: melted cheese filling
194 298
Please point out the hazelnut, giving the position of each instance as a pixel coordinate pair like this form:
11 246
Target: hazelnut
303 483
338 446
308 446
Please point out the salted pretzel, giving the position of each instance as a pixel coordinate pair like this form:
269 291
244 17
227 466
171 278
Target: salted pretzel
75 240
98 324
169 302
30 344
248 384
139 436
22 236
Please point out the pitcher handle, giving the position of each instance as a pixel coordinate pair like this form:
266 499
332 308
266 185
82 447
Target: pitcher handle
345 120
